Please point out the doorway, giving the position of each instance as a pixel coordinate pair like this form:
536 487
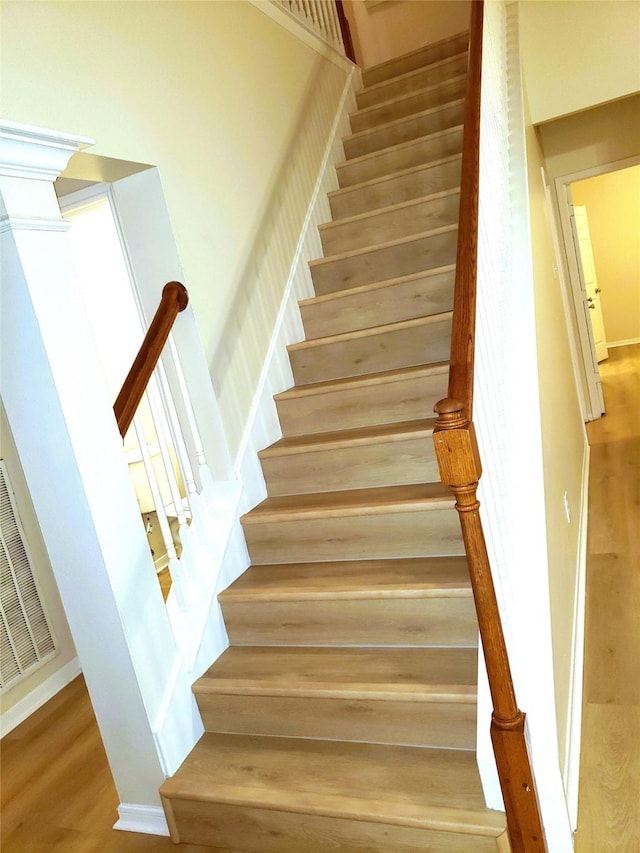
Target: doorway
605 300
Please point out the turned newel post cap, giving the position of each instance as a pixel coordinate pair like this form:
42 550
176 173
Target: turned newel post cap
451 413
448 406
179 291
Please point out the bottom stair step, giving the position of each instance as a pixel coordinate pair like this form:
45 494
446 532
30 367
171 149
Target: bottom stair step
287 795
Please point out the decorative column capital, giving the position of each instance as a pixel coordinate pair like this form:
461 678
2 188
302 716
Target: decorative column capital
36 152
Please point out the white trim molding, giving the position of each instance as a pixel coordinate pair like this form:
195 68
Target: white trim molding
574 728
37 698
32 223
628 342
35 152
147 819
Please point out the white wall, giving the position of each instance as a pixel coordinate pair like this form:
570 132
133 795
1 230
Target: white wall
385 30
216 95
578 54
51 676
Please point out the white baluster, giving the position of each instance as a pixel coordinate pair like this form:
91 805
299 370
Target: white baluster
196 535
175 570
204 502
335 23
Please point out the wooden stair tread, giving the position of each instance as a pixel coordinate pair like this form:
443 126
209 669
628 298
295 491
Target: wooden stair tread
381 211
387 125
409 75
350 437
352 579
391 176
408 103
424 787
370 331
363 381
399 241
351 502
376 285
416 674
398 147
380 69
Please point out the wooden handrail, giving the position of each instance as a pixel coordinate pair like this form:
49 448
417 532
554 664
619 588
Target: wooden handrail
464 295
174 300
460 468
345 32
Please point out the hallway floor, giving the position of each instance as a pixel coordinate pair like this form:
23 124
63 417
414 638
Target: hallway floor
609 799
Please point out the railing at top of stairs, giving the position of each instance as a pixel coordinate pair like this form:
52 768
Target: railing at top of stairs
460 468
326 18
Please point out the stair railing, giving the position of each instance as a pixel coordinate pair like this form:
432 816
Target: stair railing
326 19
460 468
174 300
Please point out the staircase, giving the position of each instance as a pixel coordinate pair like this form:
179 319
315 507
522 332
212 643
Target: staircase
342 716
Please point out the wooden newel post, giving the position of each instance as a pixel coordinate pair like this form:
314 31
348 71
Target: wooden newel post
459 463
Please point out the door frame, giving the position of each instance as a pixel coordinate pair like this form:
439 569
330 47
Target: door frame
582 345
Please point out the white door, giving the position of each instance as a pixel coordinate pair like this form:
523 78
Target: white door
588 279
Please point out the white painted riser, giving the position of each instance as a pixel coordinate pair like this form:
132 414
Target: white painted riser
412 81
414 342
412 183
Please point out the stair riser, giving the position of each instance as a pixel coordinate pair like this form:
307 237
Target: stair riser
395 348
417 59
451 67
390 160
426 99
433 212
421 533
379 621
403 399
430 178
241 829
385 463
404 130
419 297
423 252
451 725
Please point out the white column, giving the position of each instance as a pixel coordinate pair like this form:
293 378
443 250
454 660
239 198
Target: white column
74 465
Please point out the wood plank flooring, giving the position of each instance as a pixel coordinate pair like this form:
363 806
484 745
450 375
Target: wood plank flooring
57 792
609 799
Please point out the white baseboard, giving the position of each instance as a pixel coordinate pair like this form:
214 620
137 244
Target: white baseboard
147 819
574 732
36 699
628 342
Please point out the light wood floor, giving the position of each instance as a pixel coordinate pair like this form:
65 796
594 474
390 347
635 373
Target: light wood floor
58 796
609 798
